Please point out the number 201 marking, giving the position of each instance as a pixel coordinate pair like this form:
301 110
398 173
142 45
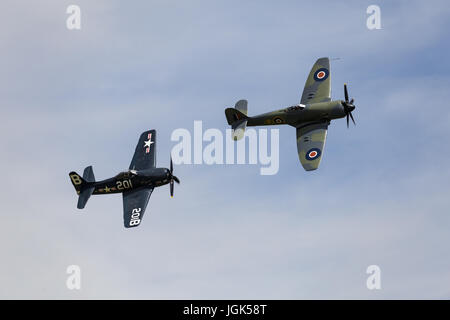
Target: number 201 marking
125 184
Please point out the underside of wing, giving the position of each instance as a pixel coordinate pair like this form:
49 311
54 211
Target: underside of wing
310 143
318 85
145 154
134 204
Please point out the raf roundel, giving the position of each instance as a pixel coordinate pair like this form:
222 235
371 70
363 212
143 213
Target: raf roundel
321 74
278 120
313 154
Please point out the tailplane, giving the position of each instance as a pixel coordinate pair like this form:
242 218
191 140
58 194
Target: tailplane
237 118
83 185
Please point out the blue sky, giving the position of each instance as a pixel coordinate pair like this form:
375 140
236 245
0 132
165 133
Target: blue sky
76 98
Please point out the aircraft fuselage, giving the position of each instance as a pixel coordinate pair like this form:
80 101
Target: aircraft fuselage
296 115
128 180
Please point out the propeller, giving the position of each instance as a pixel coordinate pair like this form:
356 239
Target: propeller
172 178
348 106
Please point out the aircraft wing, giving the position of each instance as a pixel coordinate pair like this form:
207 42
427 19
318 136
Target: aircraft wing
145 153
134 204
318 85
310 143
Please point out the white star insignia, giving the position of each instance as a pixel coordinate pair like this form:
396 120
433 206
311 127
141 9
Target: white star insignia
148 143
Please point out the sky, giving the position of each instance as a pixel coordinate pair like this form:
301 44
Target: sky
73 98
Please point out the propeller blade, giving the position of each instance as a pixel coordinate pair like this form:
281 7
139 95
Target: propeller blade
345 92
347 120
352 119
172 177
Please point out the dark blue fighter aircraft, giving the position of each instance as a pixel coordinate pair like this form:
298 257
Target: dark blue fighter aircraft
136 184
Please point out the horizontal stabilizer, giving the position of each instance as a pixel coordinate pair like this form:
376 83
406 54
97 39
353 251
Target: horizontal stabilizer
238 129
84 196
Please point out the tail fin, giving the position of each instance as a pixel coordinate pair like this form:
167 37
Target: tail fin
88 174
239 112
237 118
83 185
241 106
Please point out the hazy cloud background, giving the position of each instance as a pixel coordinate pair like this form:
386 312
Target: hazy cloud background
75 98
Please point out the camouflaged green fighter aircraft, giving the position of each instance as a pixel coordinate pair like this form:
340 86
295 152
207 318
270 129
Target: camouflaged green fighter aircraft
311 117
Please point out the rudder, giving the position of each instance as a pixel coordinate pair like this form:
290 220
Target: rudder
77 181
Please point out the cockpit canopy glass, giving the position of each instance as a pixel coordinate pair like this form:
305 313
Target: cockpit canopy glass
126 174
296 107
